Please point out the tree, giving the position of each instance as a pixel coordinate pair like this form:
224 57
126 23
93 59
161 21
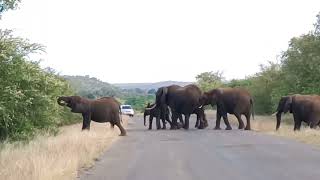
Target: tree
317 25
152 91
6 5
209 80
27 92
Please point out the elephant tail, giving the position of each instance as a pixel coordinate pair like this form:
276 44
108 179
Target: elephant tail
252 108
120 114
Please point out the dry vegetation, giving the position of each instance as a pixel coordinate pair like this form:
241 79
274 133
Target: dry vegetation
57 157
267 124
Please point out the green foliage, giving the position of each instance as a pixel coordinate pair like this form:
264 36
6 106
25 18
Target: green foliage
27 93
6 5
139 102
92 87
209 80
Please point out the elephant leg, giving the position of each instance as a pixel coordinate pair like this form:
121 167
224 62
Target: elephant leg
297 125
122 130
174 120
168 120
238 116
158 122
226 121
86 121
248 126
150 122
186 123
218 119
112 125
197 122
297 122
181 120
164 124
314 122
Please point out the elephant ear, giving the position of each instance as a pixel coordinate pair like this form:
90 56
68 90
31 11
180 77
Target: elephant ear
164 95
288 104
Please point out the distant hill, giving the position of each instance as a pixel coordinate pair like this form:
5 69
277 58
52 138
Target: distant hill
92 87
146 86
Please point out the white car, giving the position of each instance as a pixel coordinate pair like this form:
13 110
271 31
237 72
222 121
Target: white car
127 110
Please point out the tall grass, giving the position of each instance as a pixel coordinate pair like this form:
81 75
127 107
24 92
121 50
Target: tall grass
57 157
267 125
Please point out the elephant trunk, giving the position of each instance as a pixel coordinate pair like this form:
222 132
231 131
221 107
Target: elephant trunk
148 109
144 119
278 120
60 101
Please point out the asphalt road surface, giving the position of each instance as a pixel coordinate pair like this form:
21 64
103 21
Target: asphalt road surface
204 154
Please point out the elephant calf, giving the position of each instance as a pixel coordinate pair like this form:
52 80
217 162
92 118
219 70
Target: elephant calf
106 109
156 112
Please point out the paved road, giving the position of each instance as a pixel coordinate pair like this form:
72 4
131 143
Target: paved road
204 154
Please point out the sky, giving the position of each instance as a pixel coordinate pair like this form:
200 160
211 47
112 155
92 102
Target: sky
126 41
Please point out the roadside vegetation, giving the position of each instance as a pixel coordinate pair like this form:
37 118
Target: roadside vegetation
56 157
296 72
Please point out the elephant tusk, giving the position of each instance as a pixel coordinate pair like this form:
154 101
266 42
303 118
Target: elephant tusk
274 114
148 109
200 106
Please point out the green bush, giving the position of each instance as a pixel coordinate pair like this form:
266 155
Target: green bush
27 92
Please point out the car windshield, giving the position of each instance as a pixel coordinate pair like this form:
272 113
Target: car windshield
126 107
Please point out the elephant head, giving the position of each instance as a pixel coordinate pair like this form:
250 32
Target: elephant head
76 103
285 105
161 96
210 97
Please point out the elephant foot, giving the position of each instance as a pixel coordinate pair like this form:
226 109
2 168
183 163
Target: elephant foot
217 128
164 127
173 127
180 125
123 134
185 127
229 128
247 128
241 126
149 128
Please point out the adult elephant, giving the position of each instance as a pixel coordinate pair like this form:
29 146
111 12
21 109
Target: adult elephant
230 100
305 108
181 100
106 109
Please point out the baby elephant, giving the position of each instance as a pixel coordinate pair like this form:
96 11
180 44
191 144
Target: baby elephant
106 109
156 112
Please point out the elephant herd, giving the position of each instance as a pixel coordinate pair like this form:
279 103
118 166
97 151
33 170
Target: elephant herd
184 101
189 100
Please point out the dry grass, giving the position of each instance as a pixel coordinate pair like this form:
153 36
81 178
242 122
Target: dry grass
267 124
58 157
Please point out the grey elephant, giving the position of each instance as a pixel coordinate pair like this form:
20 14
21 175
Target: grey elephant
305 108
106 109
181 100
230 100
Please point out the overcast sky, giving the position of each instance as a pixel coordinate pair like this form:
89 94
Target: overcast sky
148 41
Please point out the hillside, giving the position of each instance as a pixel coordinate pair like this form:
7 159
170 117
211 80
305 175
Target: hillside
92 87
146 86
